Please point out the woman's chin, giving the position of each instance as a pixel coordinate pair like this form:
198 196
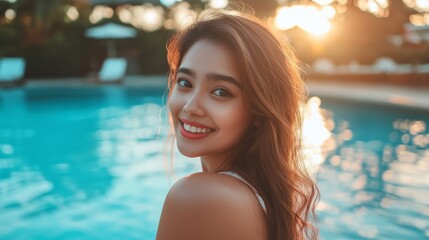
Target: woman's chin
188 153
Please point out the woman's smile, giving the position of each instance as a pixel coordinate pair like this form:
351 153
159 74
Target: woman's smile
193 130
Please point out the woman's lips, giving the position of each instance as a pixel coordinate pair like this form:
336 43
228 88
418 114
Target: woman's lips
193 130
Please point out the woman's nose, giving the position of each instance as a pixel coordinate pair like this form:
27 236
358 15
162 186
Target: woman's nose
194 105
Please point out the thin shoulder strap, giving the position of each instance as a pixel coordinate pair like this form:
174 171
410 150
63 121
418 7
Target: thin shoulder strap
236 175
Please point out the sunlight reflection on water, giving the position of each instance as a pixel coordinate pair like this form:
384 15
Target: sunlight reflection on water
374 181
314 134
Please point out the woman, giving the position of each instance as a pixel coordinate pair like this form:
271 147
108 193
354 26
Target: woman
235 94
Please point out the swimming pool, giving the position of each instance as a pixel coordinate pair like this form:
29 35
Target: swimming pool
87 163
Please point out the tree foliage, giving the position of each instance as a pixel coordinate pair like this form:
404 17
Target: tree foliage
54 46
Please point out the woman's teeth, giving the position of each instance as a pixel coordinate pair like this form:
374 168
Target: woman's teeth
193 129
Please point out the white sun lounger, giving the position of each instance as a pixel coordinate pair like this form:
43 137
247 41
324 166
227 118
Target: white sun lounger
12 71
113 70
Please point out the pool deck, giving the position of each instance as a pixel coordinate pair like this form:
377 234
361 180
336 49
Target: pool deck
396 95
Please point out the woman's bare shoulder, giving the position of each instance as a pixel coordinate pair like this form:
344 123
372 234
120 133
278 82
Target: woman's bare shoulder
210 183
210 206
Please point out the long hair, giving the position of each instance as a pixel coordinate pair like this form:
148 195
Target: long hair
270 155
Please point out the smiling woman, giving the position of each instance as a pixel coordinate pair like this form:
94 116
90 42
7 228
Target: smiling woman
234 99
208 96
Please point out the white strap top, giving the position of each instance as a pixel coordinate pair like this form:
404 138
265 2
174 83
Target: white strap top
236 175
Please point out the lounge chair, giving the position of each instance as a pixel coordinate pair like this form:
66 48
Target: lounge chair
12 72
113 70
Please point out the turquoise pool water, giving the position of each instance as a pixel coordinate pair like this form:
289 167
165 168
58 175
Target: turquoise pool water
87 163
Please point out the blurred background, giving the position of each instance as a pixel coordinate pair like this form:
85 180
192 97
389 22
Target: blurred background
50 34
83 123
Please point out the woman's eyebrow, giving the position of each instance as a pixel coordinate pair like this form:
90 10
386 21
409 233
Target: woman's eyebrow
220 77
212 76
186 71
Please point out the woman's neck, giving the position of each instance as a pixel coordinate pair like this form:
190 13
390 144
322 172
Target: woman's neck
210 164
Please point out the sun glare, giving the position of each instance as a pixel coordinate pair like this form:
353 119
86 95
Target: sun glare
329 12
317 24
422 4
376 7
285 18
218 3
308 18
323 2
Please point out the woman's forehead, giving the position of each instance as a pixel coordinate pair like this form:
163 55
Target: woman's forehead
208 57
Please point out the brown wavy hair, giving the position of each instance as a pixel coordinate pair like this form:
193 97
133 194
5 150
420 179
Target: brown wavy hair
270 155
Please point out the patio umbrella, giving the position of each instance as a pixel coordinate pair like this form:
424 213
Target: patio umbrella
111 32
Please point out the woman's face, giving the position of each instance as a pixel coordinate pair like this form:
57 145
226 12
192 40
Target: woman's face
207 104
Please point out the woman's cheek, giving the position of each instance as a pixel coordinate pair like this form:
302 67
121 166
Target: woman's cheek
173 102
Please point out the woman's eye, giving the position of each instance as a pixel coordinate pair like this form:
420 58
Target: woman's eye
184 83
222 93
